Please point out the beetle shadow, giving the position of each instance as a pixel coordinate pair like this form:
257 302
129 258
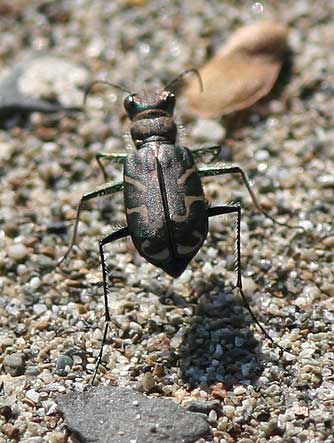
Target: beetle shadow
219 345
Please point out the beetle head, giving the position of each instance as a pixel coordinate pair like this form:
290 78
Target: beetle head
150 106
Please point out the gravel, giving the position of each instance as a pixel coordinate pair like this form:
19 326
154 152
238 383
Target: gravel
189 339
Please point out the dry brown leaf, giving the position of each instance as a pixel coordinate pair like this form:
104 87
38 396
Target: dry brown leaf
242 72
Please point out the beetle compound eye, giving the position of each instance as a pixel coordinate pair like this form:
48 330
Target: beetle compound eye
169 102
129 101
131 105
165 95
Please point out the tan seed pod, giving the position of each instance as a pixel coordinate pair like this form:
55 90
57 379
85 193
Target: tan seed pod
242 72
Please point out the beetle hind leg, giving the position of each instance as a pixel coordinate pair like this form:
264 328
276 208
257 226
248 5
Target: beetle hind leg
219 169
228 209
121 233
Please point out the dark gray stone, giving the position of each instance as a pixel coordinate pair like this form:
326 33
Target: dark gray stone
64 365
119 415
202 406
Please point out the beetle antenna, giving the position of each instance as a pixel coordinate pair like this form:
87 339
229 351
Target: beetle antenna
104 82
187 71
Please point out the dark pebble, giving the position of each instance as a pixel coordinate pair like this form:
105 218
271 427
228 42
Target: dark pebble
203 407
64 364
56 228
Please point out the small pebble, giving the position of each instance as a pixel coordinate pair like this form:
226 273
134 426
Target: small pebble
208 130
14 364
262 155
239 390
35 283
212 418
203 406
228 410
56 437
64 365
148 382
39 308
32 395
185 277
17 252
307 225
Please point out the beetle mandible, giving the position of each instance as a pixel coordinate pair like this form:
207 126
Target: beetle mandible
166 210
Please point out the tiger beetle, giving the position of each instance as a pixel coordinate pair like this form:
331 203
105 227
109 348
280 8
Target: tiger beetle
166 210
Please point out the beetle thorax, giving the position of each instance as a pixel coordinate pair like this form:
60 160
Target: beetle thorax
153 128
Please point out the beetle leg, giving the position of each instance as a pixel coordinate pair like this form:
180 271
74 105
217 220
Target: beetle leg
207 171
228 209
204 150
121 233
105 189
117 157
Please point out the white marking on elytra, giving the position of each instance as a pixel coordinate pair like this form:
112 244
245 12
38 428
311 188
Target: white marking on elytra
161 255
188 201
137 184
185 250
188 172
143 211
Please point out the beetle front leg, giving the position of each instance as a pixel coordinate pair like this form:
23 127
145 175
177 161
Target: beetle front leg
117 157
228 209
208 171
106 189
121 233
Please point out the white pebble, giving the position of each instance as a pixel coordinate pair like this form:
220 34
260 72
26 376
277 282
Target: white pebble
186 276
207 268
212 416
39 308
32 395
212 253
262 155
17 251
50 147
21 269
209 130
228 410
239 390
307 225
35 282
312 291
305 353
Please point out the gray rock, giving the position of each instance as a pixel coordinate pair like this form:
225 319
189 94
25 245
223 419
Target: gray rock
17 98
120 415
14 364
